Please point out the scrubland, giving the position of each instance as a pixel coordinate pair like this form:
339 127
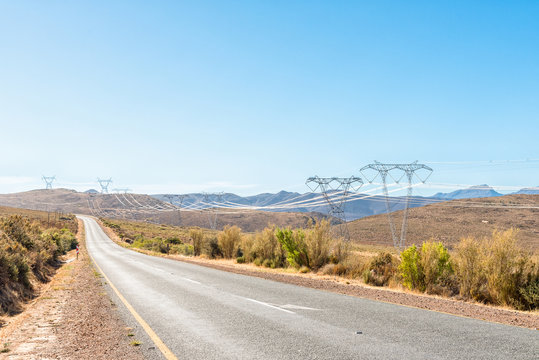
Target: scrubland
31 243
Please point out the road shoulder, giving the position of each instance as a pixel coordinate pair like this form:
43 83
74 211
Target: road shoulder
72 318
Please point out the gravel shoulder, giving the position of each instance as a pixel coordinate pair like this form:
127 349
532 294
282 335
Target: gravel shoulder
73 318
356 288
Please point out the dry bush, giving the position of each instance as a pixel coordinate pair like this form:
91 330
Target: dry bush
354 265
246 248
470 269
319 242
496 270
266 249
437 268
197 237
506 268
380 270
228 240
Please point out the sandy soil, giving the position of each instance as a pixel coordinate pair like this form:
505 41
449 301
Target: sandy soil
73 318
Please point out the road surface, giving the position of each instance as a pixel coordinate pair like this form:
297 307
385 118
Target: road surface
203 313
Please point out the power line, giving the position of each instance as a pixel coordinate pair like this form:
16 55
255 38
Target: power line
397 172
104 183
336 205
48 181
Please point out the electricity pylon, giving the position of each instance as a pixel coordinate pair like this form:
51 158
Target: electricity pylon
104 183
335 190
212 214
178 203
48 181
397 172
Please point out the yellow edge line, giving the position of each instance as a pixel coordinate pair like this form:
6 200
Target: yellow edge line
157 341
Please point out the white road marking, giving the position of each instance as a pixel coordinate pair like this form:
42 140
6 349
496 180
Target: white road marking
190 280
290 306
268 305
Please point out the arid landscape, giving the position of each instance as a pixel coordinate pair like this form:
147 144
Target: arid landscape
281 180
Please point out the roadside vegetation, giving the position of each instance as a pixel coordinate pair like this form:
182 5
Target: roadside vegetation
493 270
30 247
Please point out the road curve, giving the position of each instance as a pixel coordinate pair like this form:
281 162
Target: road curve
203 313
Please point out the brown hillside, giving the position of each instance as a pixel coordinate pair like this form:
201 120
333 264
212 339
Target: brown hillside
146 208
450 221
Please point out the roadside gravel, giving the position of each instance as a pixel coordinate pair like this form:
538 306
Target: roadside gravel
73 318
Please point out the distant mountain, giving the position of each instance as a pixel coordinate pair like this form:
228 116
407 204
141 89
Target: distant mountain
358 206
529 191
477 191
91 191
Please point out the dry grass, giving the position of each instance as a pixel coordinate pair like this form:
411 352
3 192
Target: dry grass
450 221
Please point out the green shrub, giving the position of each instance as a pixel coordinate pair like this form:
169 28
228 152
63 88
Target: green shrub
293 242
240 260
13 262
174 240
184 249
410 269
427 269
228 240
64 239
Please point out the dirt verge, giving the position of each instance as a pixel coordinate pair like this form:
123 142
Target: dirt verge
73 318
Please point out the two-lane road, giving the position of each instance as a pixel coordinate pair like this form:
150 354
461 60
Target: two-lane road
203 313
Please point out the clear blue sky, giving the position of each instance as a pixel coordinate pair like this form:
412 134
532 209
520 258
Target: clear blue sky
255 96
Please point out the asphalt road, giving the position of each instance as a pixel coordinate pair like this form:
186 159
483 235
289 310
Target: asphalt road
203 313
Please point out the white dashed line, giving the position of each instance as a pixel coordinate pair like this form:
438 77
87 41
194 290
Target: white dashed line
268 305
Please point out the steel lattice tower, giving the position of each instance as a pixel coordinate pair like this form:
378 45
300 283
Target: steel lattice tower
212 214
178 203
104 183
48 181
401 170
341 188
